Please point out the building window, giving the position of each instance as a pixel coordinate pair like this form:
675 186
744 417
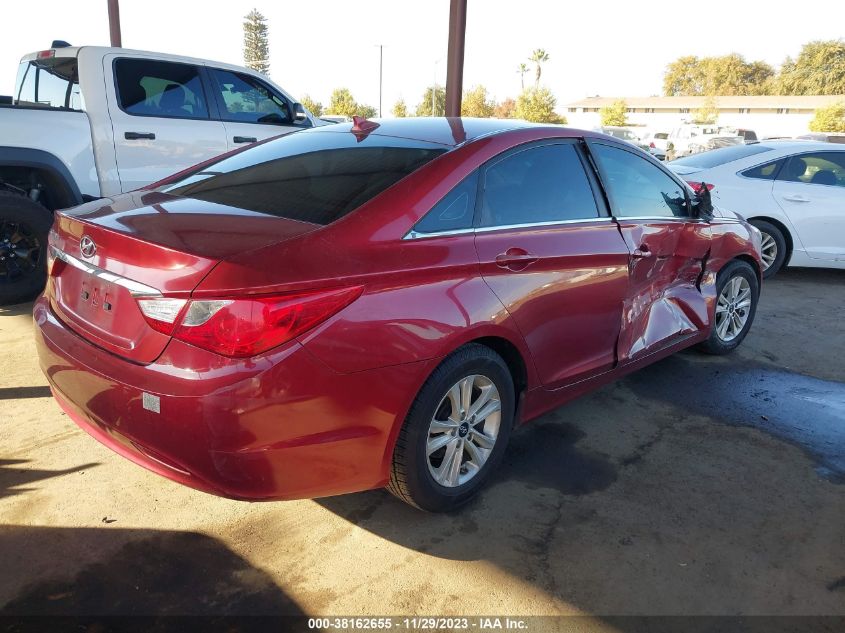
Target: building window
743 110
649 110
573 109
684 110
783 110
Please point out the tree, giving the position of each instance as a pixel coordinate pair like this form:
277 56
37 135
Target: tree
400 110
707 113
476 103
313 106
424 107
616 114
521 70
506 109
537 104
256 45
343 103
829 119
539 56
818 70
726 75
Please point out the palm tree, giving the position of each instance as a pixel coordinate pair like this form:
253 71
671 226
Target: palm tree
538 57
523 68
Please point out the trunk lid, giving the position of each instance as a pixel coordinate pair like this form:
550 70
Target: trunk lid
109 253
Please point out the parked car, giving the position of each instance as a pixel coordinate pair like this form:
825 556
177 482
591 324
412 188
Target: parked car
624 134
656 142
826 137
747 136
378 304
693 139
91 121
792 191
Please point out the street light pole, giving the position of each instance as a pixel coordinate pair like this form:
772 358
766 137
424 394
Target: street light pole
114 23
455 58
380 75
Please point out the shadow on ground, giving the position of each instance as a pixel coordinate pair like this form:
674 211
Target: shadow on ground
14 477
136 572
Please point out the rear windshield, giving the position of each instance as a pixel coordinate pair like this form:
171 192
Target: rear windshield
52 82
316 177
720 156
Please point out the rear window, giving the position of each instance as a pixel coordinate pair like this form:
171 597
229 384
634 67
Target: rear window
316 177
661 135
720 156
52 82
147 87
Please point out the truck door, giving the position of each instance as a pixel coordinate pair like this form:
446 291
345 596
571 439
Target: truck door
160 118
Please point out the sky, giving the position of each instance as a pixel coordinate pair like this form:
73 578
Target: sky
607 48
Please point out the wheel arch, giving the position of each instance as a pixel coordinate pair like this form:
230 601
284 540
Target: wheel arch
787 234
49 170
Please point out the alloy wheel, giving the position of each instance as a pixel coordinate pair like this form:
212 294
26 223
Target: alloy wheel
768 250
463 431
19 251
733 308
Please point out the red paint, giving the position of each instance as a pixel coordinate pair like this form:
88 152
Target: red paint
581 303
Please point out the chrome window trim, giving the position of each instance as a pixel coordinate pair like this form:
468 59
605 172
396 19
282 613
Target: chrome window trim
135 288
665 218
416 235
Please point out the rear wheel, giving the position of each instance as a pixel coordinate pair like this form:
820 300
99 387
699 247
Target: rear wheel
773 248
736 304
456 431
24 225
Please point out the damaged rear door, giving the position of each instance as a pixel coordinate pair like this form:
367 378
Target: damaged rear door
667 247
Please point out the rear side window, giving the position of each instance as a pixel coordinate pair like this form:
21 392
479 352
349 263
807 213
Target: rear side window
707 160
766 171
540 184
823 168
455 209
316 177
636 187
162 89
52 82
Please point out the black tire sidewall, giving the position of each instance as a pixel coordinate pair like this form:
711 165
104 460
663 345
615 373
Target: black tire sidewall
780 240
428 494
16 208
714 344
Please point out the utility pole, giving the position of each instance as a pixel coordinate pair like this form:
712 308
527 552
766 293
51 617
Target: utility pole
455 58
380 75
114 23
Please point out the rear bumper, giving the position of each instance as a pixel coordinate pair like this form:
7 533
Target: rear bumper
279 426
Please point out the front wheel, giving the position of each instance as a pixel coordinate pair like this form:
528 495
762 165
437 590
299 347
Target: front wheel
737 292
456 431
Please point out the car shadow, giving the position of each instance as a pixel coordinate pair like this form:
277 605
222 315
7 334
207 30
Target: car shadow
17 309
106 571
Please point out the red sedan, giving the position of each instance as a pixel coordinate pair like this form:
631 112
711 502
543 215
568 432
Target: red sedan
379 304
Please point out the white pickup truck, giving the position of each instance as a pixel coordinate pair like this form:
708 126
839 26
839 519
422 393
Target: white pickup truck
89 122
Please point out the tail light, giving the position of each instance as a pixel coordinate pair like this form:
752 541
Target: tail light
245 326
652 145
696 186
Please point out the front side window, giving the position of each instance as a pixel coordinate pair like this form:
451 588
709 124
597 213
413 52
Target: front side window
244 99
541 184
823 168
313 176
636 187
163 89
49 83
454 211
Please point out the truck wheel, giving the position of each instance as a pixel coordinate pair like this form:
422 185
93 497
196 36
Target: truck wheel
24 225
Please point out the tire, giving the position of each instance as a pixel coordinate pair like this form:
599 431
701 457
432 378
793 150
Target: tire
412 474
24 225
779 243
743 276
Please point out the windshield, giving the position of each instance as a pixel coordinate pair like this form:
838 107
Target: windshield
49 83
316 177
716 157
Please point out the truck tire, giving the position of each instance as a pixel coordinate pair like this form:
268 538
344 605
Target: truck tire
24 225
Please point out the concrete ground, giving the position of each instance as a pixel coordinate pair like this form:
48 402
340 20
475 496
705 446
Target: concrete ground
700 485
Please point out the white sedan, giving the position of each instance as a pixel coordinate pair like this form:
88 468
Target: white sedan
793 191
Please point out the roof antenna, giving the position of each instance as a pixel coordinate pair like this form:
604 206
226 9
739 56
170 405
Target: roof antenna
362 127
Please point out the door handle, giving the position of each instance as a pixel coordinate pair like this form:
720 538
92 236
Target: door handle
135 136
642 252
515 259
244 139
796 198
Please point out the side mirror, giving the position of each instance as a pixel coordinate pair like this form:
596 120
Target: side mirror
702 203
299 113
